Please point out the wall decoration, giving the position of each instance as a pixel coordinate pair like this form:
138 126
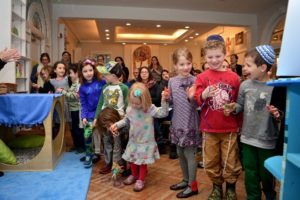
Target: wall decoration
239 38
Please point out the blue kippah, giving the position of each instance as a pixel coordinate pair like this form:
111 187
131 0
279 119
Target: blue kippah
267 53
215 37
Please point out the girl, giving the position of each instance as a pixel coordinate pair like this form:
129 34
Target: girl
114 95
47 86
72 97
89 93
141 149
184 129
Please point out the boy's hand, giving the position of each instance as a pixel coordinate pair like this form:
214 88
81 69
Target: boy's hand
165 95
210 91
229 108
274 111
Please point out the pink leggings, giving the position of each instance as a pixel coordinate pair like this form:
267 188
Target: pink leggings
139 171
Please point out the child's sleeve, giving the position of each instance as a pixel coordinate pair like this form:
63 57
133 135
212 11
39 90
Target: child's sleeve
160 112
71 93
200 87
100 104
123 122
240 99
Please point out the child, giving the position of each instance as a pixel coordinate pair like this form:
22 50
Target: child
72 98
141 149
216 87
185 122
260 128
47 86
114 95
89 93
106 118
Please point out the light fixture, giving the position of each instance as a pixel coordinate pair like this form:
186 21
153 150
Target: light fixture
128 24
106 30
186 40
145 43
191 37
165 44
186 27
158 26
197 34
107 38
107 34
123 43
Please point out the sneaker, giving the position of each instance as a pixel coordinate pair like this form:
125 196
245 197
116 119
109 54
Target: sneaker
217 193
88 162
105 170
82 159
96 158
230 192
129 180
139 186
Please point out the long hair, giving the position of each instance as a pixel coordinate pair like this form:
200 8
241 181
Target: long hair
92 63
159 67
106 117
144 96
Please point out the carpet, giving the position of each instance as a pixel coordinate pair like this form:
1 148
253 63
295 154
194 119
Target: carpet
69 181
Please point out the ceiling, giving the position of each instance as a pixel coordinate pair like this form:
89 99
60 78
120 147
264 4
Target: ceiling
147 31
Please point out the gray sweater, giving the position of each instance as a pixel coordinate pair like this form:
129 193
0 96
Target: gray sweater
260 128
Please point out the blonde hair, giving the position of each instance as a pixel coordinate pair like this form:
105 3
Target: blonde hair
182 52
145 96
214 44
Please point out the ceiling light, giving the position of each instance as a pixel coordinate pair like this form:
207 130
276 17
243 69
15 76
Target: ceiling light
145 43
186 40
107 38
191 37
165 44
106 30
123 43
158 26
128 24
196 33
187 27
175 35
107 34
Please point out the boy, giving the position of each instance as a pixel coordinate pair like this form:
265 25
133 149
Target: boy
216 87
260 129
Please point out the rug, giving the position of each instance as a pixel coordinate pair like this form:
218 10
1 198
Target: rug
69 181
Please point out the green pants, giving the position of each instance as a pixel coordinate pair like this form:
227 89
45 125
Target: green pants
256 174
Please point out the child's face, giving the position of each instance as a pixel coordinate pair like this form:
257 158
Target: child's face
73 75
165 76
251 70
88 73
136 103
183 66
45 75
215 59
60 70
111 78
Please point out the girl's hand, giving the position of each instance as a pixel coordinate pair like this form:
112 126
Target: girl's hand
191 92
84 122
210 91
59 90
229 108
114 130
165 95
274 111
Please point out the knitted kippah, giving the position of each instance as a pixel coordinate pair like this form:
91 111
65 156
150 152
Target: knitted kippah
215 37
267 53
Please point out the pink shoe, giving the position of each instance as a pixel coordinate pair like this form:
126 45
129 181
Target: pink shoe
129 180
139 186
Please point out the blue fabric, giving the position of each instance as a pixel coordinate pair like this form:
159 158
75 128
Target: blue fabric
69 180
25 109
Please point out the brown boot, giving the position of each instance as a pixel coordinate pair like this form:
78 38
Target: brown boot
217 193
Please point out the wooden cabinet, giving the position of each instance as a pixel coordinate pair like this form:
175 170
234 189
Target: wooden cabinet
15 35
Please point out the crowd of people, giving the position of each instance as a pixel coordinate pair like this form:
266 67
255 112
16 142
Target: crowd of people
122 118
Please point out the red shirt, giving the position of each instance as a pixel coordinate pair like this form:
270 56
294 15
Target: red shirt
212 118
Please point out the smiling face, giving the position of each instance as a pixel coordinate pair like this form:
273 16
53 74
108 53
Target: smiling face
88 73
73 75
251 70
60 70
215 59
183 66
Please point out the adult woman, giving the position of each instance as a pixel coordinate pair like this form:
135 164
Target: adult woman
155 68
120 60
35 73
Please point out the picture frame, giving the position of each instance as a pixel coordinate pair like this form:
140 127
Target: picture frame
239 38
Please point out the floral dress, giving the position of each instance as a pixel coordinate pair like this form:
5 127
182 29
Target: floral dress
142 148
